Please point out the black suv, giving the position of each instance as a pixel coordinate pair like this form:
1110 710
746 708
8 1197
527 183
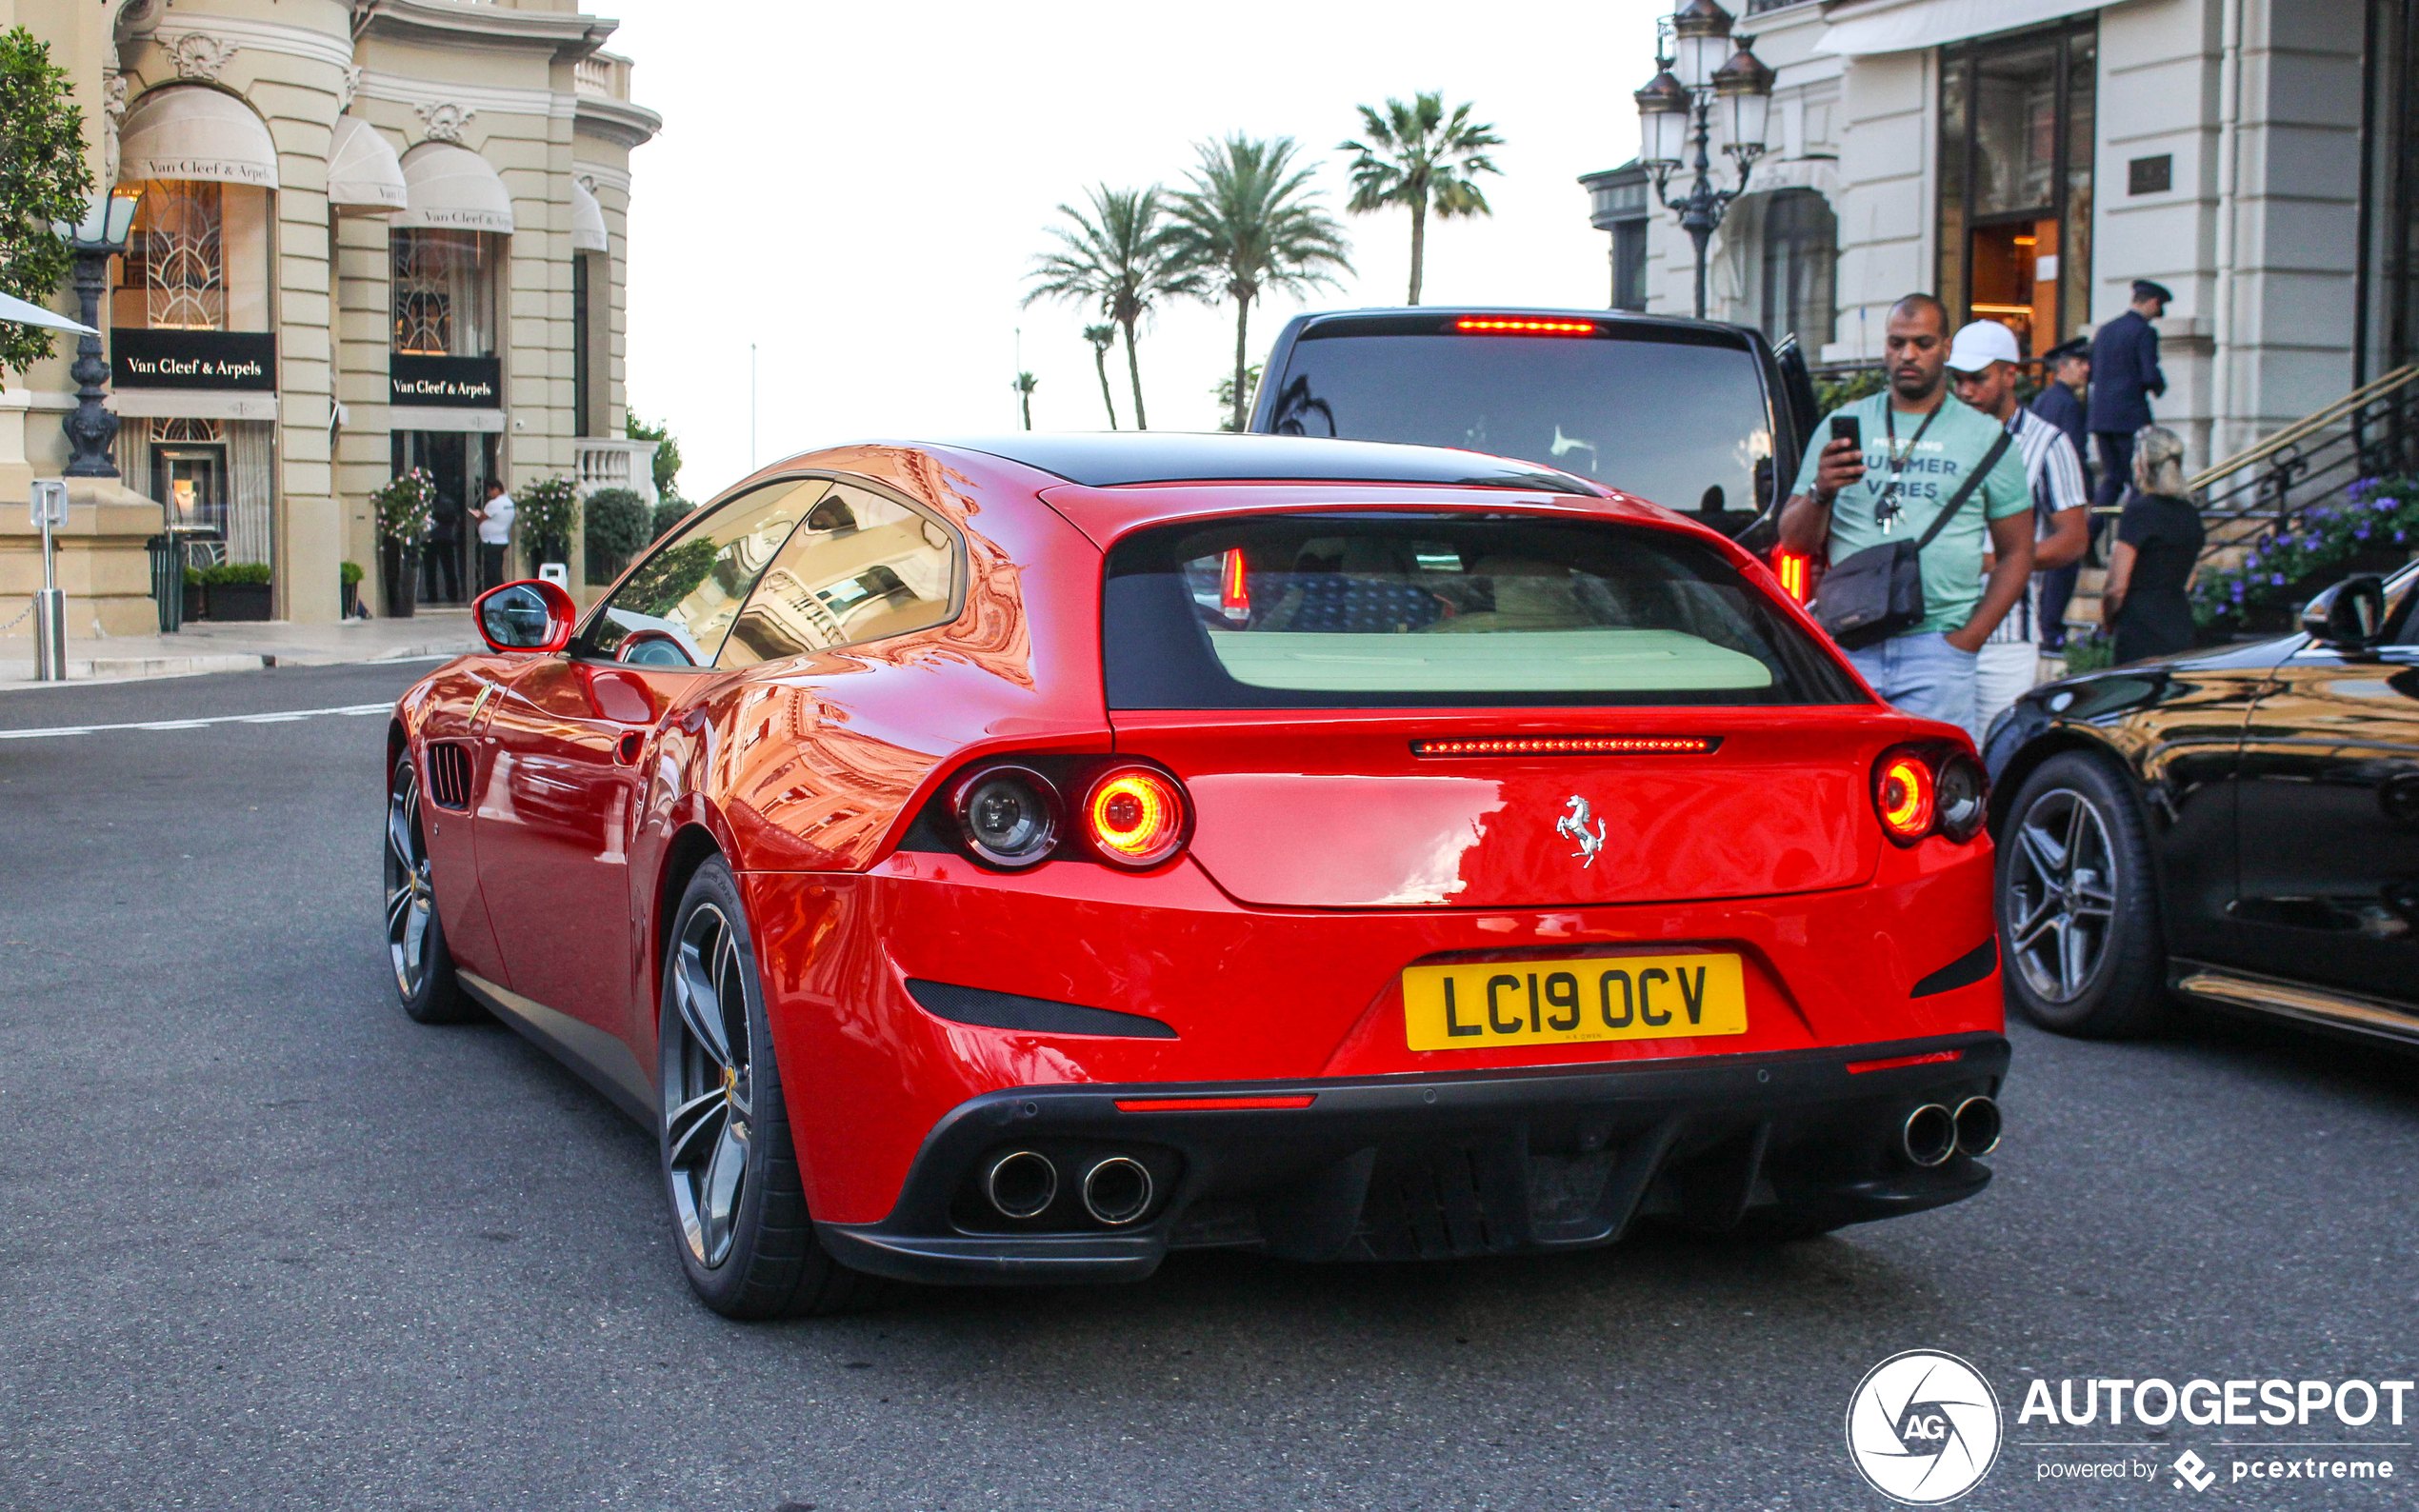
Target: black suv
1703 418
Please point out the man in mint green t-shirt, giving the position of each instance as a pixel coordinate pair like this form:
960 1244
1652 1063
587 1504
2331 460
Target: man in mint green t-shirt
1919 445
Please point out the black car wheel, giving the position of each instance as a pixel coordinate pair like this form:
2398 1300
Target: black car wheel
2078 914
738 1204
415 933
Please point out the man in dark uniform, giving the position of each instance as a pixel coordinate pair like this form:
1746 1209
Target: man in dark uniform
2125 373
2060 403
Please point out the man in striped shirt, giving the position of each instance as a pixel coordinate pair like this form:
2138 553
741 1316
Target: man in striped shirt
1983 364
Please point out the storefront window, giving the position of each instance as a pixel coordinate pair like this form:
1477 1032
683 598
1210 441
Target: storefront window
196 259
2015 182
444 293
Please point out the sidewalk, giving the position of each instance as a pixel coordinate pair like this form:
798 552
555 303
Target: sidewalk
205 646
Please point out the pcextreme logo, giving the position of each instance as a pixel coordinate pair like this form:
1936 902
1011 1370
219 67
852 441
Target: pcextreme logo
1922 1427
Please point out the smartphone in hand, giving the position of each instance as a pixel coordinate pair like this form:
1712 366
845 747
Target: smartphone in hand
1849 428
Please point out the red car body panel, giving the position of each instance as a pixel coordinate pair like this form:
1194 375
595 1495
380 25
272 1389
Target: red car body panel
1296 995
1326 858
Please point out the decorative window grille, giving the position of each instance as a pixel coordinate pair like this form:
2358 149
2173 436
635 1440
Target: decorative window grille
177 256
441 294
190 430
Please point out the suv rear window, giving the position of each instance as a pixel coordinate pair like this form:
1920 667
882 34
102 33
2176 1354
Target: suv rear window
1681 424
1443 610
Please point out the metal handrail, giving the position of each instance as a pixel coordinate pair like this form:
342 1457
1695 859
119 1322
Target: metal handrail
2308 426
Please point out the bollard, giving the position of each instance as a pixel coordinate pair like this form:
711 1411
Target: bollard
50 606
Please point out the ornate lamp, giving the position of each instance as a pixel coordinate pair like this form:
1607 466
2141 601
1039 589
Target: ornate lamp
1675 118
101 235
1663 121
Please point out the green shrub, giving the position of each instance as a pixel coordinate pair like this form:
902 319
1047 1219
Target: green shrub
669 511
619 525
227 572
2088 653
1846 386
349 573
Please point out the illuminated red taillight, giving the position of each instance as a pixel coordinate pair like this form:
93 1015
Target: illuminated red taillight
1567 746
1508 325
1793 569
1134 816
1903 793
1234 594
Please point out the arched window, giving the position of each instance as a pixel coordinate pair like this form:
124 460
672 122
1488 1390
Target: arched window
1801 253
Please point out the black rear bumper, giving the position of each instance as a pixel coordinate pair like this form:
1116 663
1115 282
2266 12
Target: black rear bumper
1387 1169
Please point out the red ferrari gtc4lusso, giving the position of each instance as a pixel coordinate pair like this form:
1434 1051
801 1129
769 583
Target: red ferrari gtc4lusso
1011 860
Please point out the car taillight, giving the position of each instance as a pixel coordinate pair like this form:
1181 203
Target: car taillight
1234 592
1791 568
1007 815
1964 797
1516 326
1134 816
1921 791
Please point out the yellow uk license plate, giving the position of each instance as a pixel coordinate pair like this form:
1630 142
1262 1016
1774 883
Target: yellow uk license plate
1567 1001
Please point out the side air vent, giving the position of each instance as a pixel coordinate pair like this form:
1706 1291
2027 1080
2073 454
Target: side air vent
449 774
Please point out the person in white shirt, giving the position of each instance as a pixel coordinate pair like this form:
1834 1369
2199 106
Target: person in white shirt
1983 363
495 533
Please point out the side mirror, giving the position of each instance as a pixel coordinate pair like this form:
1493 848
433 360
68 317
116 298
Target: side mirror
2347 616
531 615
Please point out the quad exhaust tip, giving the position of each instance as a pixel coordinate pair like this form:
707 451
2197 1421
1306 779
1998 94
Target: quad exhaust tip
1977 1120
1929 1135
1022 1184
1118 1190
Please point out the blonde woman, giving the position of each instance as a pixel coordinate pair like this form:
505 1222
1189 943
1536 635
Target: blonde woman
2158 544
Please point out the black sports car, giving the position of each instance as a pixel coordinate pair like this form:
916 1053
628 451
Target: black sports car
2237 826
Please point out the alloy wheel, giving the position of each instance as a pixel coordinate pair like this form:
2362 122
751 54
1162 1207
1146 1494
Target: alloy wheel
707 1111
2060 903
410 894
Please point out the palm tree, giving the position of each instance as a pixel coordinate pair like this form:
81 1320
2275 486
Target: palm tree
1252 222
1417 155
1120 259
1024 384
1101 338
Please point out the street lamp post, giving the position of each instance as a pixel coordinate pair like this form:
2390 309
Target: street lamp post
98 237
1675 118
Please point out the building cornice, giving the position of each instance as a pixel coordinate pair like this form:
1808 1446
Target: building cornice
617 120
430 94
455 23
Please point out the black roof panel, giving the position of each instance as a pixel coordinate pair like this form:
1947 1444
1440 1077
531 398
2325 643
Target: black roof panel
1106 459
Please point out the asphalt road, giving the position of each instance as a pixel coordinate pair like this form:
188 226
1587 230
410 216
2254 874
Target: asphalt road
266 1243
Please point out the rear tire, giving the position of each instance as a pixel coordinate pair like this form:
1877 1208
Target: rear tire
2083 953
424 974
730 1173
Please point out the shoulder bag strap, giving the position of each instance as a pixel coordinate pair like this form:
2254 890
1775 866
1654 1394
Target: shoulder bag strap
1973 481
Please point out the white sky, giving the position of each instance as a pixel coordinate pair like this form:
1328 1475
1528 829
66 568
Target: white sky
859 191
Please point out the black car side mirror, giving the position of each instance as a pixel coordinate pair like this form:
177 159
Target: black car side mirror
2349 616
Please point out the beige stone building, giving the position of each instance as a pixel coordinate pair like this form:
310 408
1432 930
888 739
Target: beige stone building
370 234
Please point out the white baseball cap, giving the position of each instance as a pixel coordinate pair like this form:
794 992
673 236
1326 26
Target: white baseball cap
1981 344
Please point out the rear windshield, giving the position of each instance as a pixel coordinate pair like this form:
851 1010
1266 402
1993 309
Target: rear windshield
1428 611
1681 425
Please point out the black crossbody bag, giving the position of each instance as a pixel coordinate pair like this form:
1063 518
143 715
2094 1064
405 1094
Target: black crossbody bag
1879 592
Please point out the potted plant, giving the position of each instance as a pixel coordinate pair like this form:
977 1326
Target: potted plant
348 579
238 590
547 511
407 512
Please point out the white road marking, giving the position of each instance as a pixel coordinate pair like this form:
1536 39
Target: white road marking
281 717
